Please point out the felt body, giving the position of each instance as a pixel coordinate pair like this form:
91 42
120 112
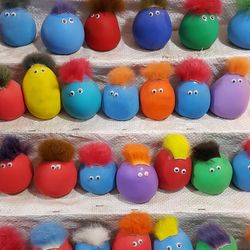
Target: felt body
227 88
85 246
41 92
152 28
15 175
62 34
18 28
11 101
65 246
102 31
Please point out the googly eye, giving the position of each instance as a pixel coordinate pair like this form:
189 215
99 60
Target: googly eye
140 241
204 18
7 14
140 174
146 173
35 71
112 92
9 164
97 16
64 21
80 90
239 80
211 170
154 91
91 178
161 90
218 167
93 15
190 92
58 166
13 14
234 81
196 92
183 171
248 167
98 177
53 167
43 70
72 93
116 94
178 245
134 244
157 13
2 165
71 20
168 248
151 14
212 17
176 170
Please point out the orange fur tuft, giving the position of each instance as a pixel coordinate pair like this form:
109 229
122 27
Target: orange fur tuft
247 236
136 223
157 71
121 76
136 154
238 66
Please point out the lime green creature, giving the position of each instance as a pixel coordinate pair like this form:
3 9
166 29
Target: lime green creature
212 171
200 26
40 86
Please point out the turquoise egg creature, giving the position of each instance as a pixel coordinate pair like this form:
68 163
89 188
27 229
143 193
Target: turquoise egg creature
81 97
18 27
62 31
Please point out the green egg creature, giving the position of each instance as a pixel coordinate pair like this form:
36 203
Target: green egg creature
200 26
212 171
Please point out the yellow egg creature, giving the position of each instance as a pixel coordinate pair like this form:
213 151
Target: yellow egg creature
40 86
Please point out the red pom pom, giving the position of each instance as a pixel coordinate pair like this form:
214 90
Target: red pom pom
200 7
95 154
194 69
247 146
75 70
11 239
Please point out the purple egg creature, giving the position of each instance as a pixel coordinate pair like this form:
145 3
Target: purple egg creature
231 92
136 179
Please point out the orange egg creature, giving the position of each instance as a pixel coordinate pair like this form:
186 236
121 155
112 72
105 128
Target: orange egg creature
156 94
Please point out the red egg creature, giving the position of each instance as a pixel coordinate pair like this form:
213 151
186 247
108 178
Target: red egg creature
102 32
11 97
173 163
56 175
134 232
15 166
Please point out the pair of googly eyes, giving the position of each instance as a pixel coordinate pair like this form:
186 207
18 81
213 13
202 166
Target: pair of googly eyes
9 165
235 81
98 177
10 14
36 71
113 93
79 91
157 13
139 242
177 170
205 18
211 170
97 16
178 245
56 167
195 92
140 174
154 91
65 21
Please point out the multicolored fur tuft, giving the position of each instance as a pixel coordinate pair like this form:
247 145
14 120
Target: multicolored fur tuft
199 7
5 75
238 66
63 7
145 4
206 151
243 5
96 6
121 76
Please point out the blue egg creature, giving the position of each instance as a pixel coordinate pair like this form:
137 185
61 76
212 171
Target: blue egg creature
241 168
169 236
18 27
81 97
62 31
152 26
97 169
193 96
121 97
238 27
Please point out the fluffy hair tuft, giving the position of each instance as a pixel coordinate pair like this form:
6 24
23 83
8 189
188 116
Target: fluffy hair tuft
63 7
96 6
48 235
9 4
194 69
206 151
243 5
56 150
247 235
157 71
93 233
12 147
11 239
39 58
246 146
238 65
75 70
121 76
136 223
213 235
136 154
145 4
5 75
200 7
95 154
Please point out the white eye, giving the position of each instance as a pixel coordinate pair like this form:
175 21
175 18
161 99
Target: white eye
98 177
146 173
151 13
140 174
112 92
168 248
204 18
13 14
183 171
248 167
212 17
9 164
161 90
211 170
91 178
71 20
53 167
43 70
179 245
218 167
140 241
80 90
92 15
196 92
97 16
154 91
234 81
72 93
3 165
35 71
64 21
176 170
240 81
157 13
7 14
116 94
190 92
134 244
58 166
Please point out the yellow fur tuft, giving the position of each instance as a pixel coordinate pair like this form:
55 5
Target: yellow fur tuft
166 227
178 145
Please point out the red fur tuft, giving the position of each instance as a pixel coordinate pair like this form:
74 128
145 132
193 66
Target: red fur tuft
246 146
75 70
194 69
95 154
200 7
11 239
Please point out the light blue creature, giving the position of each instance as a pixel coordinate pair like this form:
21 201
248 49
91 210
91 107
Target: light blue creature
62 31
18 27
85 246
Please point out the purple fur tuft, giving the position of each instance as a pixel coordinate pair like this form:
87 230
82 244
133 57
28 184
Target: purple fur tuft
213 235
62 7
12 147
